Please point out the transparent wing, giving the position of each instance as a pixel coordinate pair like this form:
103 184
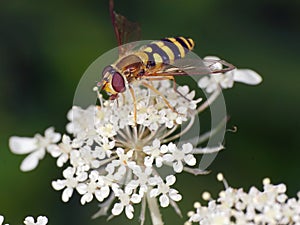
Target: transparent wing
125 30
191 67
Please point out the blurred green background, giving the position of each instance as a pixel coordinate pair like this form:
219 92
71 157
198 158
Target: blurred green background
45 47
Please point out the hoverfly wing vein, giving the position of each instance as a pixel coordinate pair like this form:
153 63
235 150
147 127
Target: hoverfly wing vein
217 66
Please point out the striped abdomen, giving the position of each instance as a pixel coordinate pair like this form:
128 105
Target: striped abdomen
165 51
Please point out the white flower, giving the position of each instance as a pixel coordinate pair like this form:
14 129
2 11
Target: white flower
2 220
178 156
121 163
63 150
36 147
111 157
88 159
108 151
95 186
81 120
124 203
106 130
69 183
226 80
141 181
29 220
235 206
163 189
154 152
104 149
41 220
82 124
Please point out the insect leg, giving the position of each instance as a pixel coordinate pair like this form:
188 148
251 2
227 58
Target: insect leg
134 104
124 98
174 83
175 89
151 87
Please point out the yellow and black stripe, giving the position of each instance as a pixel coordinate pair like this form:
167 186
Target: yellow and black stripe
165 51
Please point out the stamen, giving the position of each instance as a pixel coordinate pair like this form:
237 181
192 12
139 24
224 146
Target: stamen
206 196
221 178
266 181
197 205
99 95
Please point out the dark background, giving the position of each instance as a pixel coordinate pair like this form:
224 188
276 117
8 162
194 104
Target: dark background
45 47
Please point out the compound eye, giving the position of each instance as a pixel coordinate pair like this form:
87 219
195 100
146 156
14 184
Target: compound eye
118 82
107 69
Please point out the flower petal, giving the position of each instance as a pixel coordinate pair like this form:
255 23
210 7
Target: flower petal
117 209
62 160
22 145
129 211
31 161
158 162
1 219
154 192
105 191
82 188
187 148
86 198
164 200
170 180
58 185
168 157
148 161
135 198
42 220
190 160
174 195
67 193
69 172
29 220
52 136
247 76
203 82
178 166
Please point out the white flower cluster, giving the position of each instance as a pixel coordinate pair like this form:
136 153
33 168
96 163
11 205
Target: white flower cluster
117 160
109 158
235 206
29 220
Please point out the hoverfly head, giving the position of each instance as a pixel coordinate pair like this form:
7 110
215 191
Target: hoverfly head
112 81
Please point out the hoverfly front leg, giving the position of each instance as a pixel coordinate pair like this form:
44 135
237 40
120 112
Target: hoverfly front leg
134 104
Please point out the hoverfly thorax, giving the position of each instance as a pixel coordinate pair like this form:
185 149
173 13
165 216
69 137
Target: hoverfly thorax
132 67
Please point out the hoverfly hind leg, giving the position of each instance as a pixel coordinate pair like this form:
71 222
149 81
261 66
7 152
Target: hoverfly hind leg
176 90
174 87
151 87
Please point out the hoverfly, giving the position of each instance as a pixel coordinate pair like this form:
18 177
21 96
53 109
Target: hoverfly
150 62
